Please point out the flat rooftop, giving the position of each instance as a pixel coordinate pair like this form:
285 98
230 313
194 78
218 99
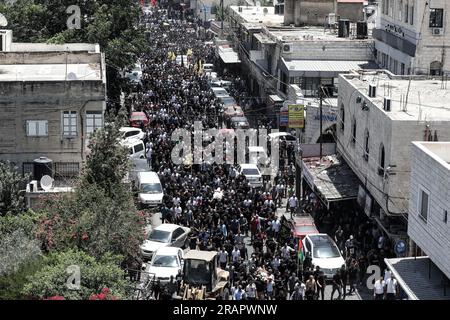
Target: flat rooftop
310 33
256 14
427 98
50 72
48 47
440 151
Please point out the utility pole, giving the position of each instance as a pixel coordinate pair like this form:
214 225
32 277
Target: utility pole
320 116
223 17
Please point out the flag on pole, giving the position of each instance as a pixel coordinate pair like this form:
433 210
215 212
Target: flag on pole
300 251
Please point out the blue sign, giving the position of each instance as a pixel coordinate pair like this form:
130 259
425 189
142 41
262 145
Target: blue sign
400 247
326 117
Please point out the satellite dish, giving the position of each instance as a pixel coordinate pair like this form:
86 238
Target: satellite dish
71 76
3 21
258 4
46 182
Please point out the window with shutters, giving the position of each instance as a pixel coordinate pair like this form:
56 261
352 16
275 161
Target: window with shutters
69 123
94 121
37 128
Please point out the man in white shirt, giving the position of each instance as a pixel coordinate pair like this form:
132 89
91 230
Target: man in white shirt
235 254
391 288
299 291
293 204
251 291
276 224
378 290
223 258
178 212
269 288
286 252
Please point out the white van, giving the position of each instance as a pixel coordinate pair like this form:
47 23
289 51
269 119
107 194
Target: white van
150 191
136 148
208 67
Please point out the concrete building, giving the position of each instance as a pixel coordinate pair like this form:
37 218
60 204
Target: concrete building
52 98
352 10
379 115
429 202
412 36
427 277
276 57
308 12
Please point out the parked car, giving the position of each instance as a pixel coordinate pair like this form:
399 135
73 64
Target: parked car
233 111
150 191
239 123
165 262
136 148
324 253
282 136
129 133
220 83
303 226
137 119
220 92
228 101
251 173
208 67
211 76
164 235
137 165
258 155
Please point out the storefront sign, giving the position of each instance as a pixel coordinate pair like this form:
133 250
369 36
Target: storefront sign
326 117
296 116
284 116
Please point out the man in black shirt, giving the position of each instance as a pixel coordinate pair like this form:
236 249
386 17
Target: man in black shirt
320 280
337 284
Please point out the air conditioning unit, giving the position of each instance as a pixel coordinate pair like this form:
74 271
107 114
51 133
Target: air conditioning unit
372 91
287 47
387 104
239 9
438 31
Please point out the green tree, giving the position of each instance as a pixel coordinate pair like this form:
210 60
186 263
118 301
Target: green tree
100 215
95 274
12 200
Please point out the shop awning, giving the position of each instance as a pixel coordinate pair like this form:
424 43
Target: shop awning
418 278
228 55
323 68
331 179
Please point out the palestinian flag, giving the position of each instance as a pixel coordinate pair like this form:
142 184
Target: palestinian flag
301 257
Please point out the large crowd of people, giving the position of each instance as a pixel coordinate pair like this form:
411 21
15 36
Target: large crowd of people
224 213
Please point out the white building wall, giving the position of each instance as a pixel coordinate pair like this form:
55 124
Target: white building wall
432 235
429 48
394 135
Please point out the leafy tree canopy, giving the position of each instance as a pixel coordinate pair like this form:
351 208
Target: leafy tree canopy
95 275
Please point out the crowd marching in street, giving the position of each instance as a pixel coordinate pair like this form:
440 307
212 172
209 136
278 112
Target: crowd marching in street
243 224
